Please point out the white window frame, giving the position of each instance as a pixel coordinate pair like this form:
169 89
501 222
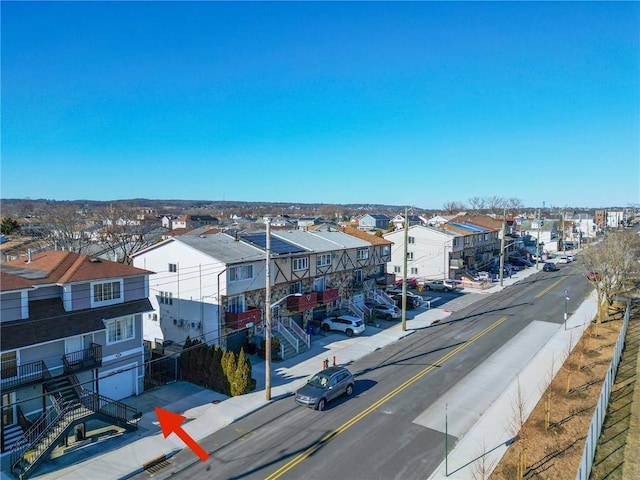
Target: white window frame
411 239
414 270
236 304
173 267
357 276
124 328
386 250
323 260
300 263
109 293
295 287
409 255
363 253
240 273
319 284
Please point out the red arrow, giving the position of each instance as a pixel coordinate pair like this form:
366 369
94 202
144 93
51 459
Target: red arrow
170 423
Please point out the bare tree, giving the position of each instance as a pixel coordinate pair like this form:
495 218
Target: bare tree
483 466
611 266
124 232
496 204
476 205
450 208
514 205
65 224
518 420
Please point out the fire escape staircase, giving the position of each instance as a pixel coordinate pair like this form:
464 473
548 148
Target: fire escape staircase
70 405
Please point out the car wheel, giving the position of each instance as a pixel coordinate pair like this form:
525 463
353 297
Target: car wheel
321 404
349 332
325 327
427 287
387 316
349 390
446 289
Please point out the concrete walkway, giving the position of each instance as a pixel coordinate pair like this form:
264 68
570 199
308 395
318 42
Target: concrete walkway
208 411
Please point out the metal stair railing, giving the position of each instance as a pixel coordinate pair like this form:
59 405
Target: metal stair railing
287 335
382 297
296 330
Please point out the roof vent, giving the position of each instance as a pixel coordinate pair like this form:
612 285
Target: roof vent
95 260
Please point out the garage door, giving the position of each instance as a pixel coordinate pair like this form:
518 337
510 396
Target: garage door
119 383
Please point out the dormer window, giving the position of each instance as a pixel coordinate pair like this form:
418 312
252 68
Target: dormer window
106 293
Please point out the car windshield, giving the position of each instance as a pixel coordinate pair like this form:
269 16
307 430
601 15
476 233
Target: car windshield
319 380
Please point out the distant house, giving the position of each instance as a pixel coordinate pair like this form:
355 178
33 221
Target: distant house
284 221
194 221
374 222
305 222
398 221
439 220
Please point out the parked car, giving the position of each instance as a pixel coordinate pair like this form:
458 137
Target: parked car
563 259
388 312
550 267
482 276
520 261
412 301
593 276
571 258
411 282
344 323
439 285
417 299
325 386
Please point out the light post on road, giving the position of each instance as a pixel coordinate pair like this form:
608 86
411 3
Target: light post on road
566 299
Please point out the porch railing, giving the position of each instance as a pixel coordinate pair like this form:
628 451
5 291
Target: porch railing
13 375
83 359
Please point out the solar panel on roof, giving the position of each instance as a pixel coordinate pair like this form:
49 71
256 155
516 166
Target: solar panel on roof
278 245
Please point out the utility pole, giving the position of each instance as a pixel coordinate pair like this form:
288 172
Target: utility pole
538 242
267 313
404 270
504 224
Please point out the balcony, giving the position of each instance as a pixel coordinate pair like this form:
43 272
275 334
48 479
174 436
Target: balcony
82 360
237 321
456 263
303 302
14 376
328 296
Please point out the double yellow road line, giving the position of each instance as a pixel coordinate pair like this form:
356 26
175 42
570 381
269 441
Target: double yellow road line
331 435
551 286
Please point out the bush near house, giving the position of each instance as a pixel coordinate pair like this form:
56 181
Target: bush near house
210 367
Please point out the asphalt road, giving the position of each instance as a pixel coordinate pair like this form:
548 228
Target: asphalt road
374 434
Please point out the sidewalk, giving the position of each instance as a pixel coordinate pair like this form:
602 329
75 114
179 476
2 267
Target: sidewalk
208 411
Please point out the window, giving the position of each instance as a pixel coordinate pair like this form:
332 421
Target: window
386 250
324 260
120 329
363 253
411 239
397 269
357 276
295 287
409 255
173 267
235 304
414 271
486 237
9 364
105 292
301 263
242 272
166 298
319 284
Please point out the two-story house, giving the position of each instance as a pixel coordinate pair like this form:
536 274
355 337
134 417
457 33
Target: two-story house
376 221
213 287
398 221
432 253
70 341
481 245
543 232
194 221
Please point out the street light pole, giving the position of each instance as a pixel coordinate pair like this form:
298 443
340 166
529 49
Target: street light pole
504 230
267 313
538 242
566 298
404 271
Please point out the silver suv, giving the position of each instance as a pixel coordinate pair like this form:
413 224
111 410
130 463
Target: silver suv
441 285
324 386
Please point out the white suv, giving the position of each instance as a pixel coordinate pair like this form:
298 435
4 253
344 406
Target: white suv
344 323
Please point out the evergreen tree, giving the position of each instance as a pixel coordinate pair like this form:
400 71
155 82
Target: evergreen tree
219 384
242 377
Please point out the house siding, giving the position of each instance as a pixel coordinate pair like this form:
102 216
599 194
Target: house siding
11 307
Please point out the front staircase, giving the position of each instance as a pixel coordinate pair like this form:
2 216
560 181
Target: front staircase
71 405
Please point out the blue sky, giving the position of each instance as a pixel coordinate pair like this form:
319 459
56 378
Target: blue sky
415 103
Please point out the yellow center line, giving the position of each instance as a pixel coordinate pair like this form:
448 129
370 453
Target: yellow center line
330 436
551 286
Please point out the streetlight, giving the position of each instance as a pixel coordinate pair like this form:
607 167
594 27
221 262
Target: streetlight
267 342
566 299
